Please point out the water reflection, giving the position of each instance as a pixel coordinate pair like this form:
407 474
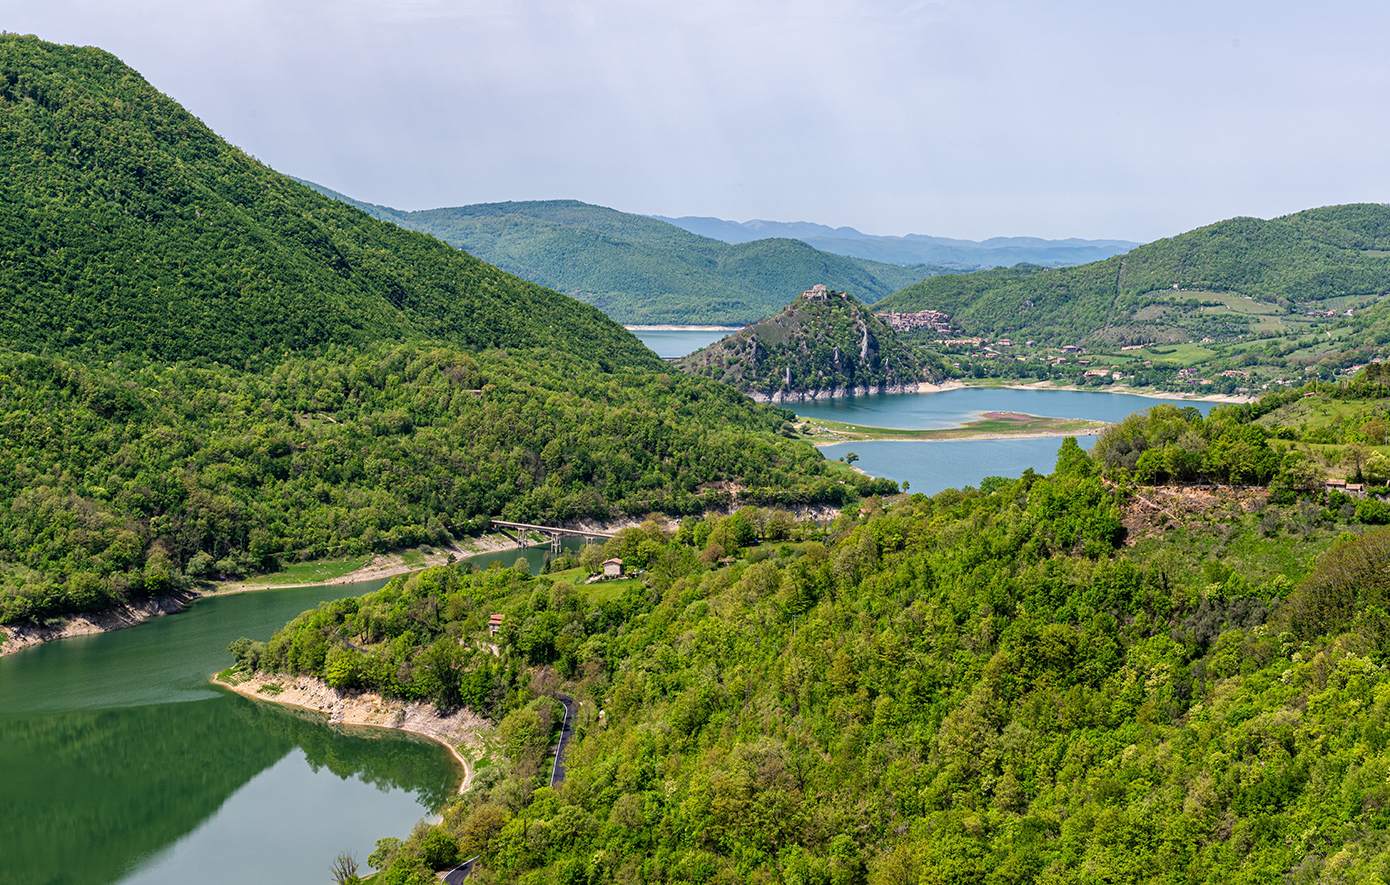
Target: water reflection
92 795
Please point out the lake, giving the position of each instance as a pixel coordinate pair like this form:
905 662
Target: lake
951 408
675 343
120 762
930 466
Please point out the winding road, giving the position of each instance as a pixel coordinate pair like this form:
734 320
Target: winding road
557 777
557 771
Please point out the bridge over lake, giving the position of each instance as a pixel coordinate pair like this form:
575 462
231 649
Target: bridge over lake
553 532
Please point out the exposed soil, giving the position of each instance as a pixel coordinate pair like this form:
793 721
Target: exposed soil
1007 416
1155 510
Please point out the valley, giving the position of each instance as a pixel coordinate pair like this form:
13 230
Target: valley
1029 627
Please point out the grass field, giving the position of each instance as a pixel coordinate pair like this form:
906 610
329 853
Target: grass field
301 573
1176 354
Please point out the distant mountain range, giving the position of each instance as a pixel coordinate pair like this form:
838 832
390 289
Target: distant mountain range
1235 278
913 248
642 270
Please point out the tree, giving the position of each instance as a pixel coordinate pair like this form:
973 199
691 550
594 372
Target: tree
1355 458
591 558
344 869
1376 469
1072 460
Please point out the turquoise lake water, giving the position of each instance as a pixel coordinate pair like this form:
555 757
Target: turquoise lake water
930 466
120 762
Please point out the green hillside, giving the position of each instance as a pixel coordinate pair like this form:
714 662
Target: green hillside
207 369
1055 679
129 228
825 343
641 270
1239 278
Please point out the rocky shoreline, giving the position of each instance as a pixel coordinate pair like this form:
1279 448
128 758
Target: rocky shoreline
18 637
460 729
811 396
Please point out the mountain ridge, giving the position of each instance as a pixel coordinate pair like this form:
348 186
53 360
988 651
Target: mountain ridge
913 248
641 270
128 226
1284 266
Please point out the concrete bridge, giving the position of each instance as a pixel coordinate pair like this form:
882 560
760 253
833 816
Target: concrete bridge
555 533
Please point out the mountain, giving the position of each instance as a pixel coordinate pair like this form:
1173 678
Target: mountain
208 369
126 226
642 270
824 344
1241 277
913 248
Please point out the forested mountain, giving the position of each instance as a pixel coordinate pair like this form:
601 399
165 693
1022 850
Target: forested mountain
1047 679
1158 292
206 368
913 248
641 270
824 344
129 228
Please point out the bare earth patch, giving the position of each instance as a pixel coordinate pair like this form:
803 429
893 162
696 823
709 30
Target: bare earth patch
1151 511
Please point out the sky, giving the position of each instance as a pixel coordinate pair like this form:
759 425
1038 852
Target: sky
1115 119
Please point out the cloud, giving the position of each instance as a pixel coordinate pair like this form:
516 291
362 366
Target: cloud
962 119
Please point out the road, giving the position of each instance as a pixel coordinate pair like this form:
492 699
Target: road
557 772
460 872
557 777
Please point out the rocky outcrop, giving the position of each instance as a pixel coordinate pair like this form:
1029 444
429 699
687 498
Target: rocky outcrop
811 396
824 345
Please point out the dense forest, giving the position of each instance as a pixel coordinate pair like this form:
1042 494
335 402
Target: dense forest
124 483
643 270
1294 262
208 369
824 342
1036 680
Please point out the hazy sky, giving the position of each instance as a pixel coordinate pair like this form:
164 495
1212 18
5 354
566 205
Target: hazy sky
1133 120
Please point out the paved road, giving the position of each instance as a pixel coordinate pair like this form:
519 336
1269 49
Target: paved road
557 776
460 872
557 772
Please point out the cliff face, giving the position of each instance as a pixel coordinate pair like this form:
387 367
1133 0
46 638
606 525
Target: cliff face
825 344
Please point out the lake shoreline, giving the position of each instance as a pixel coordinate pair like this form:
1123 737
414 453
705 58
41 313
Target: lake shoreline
1146 392
369 709
27 634
666 327
18 637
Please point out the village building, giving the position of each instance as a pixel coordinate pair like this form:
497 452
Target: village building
494 624
612 568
